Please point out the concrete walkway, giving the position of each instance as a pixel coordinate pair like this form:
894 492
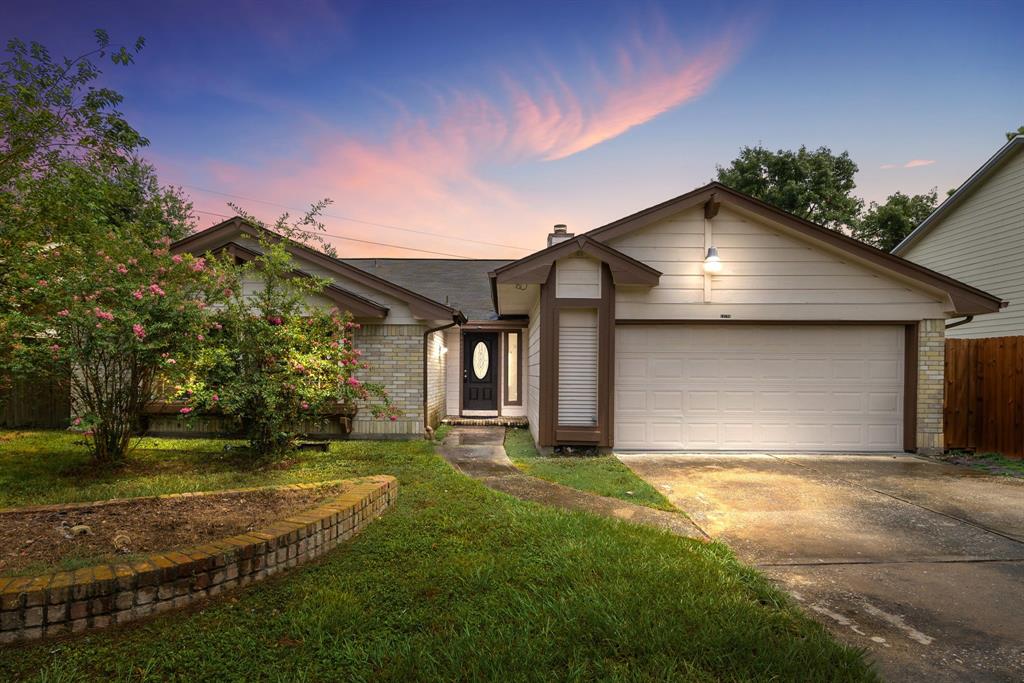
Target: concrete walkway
479 452
919 562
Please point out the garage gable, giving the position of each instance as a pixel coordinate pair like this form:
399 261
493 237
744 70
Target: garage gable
768 272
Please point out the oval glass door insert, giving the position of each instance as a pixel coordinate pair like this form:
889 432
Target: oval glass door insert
481 360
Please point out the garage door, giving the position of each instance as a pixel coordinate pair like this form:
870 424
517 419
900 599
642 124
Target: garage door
759 387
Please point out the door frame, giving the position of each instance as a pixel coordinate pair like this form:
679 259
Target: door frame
496 368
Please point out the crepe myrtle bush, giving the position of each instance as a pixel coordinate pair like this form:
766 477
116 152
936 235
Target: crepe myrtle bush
104 316
272 361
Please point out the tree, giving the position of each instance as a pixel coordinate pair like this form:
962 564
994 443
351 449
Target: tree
50 112
815 185
885 225
273 361
1011 134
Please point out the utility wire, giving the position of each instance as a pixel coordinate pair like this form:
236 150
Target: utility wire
354 239
358 220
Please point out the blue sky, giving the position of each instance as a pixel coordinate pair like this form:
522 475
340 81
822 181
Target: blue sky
491 121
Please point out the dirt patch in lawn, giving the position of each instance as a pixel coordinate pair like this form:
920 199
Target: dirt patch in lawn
38 541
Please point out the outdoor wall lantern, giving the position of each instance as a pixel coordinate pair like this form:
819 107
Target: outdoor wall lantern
712 264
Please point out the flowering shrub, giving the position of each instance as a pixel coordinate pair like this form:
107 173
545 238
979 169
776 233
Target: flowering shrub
104 316
273 361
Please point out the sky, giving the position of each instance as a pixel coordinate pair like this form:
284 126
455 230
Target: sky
467 129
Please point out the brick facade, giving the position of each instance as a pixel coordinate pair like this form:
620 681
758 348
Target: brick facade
437 366
104 595
395 356
931 352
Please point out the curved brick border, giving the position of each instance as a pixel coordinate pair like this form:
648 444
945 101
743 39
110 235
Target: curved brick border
96 597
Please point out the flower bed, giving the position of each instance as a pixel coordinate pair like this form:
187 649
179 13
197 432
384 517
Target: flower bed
99 596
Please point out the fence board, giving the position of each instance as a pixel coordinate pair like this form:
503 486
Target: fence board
36 403
984 398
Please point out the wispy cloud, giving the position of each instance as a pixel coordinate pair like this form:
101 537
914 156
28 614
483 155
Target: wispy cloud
913 163
431 168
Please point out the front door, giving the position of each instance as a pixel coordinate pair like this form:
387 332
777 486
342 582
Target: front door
480 371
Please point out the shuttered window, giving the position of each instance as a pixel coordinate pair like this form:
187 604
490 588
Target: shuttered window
577 368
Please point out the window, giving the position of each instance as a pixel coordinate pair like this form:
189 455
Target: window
512 355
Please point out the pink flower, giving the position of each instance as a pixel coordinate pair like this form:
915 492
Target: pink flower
353 382
65 313
103 315
217 326
55 347
185 411
394 418
176 258
42 283
139 331
171 361
199 265
274 320
121 268
155 290
305 406
137 294
200 337
215 398
228 292
77 421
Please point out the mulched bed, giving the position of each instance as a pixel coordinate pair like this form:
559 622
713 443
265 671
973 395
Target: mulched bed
34 542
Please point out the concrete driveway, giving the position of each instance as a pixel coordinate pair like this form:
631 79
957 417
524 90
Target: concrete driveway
921 563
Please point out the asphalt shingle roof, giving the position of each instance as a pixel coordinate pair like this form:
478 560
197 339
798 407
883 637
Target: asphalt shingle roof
460 283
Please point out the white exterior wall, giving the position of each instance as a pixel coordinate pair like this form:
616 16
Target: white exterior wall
981 242
532 383
453 390
437 375
767 274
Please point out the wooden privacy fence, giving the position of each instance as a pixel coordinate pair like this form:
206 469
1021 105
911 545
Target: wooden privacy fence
984 402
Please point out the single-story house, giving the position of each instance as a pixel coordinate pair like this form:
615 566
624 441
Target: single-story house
711 321
977 236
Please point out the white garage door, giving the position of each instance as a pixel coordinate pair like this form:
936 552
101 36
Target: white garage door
759 387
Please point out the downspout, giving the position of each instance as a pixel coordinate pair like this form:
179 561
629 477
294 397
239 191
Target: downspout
458 318
958 323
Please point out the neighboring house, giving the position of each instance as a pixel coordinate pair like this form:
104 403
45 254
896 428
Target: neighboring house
795 338
977 236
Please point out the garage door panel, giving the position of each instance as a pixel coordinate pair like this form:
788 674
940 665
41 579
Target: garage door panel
758 387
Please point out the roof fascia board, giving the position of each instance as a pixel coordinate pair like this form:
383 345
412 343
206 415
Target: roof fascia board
536 268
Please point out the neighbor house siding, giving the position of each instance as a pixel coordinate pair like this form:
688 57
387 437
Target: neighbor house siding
533 370
981 242
437 362
767 274
395 356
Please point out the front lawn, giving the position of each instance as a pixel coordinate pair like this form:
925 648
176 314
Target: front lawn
604 475
456 582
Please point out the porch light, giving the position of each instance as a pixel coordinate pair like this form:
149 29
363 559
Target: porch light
712 264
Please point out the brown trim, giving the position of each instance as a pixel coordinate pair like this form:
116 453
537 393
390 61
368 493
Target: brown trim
536 268
487 325
359 306
966 299
519 368
550 433
214 237
910 369
711 207
734 321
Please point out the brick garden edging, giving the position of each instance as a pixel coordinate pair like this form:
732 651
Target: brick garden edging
103 595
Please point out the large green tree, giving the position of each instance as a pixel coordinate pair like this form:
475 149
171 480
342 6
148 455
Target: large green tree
813 184
885 225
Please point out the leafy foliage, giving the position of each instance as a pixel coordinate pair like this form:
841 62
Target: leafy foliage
814 184
1011 134
50 112
272 360
885 225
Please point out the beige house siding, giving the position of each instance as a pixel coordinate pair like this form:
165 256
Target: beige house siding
437 364
767 274
533 370
981 242
578 278
453 390
931 351
395 356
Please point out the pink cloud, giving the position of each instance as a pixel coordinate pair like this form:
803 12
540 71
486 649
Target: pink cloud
432 169
913 163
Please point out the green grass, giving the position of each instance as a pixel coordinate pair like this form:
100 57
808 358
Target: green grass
991 463
604 475
456 582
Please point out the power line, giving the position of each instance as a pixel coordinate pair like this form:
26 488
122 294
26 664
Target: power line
358 220
354 239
